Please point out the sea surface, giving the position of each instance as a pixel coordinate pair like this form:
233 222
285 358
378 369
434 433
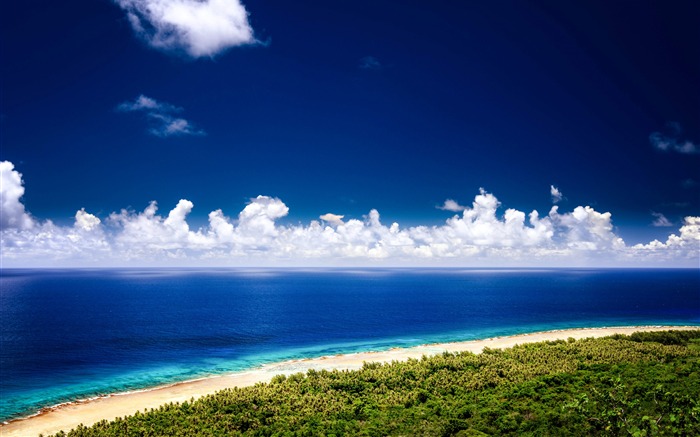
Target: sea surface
73 334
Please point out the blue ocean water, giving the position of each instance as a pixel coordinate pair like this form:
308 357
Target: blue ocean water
72 334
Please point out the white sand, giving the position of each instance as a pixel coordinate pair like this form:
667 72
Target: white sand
68 416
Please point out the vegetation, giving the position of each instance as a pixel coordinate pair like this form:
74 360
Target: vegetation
642 385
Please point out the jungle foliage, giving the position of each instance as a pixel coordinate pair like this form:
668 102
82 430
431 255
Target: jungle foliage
641 385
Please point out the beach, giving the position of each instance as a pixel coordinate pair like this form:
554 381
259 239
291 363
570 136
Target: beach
69 415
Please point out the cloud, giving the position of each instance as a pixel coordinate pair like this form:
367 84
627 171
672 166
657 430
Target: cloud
12 210
85 221
148 104
660 220
451 205
556 194
198 28
481 235
370 63
670 140
689 183
161 116
689 239
167 126
333 219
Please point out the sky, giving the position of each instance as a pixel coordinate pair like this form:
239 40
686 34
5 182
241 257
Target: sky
214 132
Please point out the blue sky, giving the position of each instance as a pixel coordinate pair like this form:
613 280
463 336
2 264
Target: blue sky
346 107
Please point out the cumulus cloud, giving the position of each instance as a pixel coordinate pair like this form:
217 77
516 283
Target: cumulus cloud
333 219
671 141
556 194
660 220
13 214
687 245
199 28
164 122
85 221
480 235
451 205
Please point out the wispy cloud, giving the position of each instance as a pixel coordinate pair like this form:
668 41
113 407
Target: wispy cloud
671 141
557 195
370 63
196 27
481 235
689 183
161 116
660 220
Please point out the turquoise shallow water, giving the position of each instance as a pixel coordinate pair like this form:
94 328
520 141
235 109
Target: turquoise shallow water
72 334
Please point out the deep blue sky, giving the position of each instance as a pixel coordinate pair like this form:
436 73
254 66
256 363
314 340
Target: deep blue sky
511 96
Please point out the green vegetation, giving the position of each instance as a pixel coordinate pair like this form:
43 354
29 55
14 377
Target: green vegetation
642 385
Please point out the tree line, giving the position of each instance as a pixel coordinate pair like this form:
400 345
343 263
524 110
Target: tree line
640 385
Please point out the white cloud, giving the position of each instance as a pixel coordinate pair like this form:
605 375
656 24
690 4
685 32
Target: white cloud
196 27
11 191
587 229
480 236
556 194
164 123
451 205
333 219
670 140
85 221
148 104
677 250
660 220
168 126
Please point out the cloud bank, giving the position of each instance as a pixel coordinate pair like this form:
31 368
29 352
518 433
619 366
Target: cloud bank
199 28
164 122
479 235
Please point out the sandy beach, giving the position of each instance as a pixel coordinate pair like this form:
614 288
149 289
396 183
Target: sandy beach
87 412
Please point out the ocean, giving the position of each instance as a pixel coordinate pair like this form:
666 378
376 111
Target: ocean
73 334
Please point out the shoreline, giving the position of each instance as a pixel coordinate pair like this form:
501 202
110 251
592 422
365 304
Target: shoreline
68 415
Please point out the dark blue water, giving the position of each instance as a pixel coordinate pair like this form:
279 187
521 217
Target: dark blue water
71 334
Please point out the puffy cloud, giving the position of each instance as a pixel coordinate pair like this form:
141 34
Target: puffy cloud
196 27
670 140
161 115
85 221
660 220
478 235
146 232
479 226
451 205
12 210
258 217
690 231
677 250
333 219
556 194
48 244
586 229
